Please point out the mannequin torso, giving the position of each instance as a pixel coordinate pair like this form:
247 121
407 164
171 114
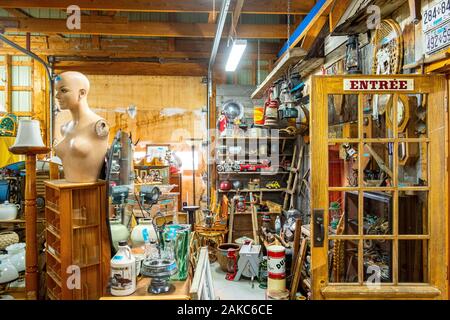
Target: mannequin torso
85 138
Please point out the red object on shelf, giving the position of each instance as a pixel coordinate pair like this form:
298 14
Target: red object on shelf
225 185
231 265
254 166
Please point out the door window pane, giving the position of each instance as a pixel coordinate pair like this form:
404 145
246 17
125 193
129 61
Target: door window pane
21 76
378 213
412 260
377 261
413 213
375 124
376 164
343 165
413 164
342 116
343 261
21 101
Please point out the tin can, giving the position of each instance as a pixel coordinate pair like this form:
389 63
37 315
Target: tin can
276 268
258 115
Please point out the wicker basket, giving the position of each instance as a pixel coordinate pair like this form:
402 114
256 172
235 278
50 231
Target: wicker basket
7 238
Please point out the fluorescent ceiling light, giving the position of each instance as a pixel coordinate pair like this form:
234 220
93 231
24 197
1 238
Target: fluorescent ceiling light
236 54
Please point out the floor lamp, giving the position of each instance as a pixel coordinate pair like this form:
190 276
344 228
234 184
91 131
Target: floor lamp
192 209
29 143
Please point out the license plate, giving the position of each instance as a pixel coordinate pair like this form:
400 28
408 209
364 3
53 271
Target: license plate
435 14
437 39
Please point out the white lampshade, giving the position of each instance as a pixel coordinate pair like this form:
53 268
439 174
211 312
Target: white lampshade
29 134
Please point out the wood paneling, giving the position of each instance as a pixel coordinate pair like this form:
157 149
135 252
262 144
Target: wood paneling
129 48
250 6
134 68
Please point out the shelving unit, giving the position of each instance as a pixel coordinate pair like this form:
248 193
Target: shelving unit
75 238
259 149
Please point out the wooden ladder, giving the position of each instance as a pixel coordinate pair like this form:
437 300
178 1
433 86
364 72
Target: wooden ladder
292 183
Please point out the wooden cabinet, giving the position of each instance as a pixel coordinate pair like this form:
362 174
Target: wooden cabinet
77 268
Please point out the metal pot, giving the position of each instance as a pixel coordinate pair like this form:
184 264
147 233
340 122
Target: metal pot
225 185
8 211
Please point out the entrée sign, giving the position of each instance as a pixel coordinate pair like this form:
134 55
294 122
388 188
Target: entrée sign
378 85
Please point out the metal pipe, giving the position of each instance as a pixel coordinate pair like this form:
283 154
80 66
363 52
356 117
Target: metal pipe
212 60
49 73
135 59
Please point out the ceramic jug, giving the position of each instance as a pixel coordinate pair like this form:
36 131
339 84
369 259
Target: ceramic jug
123 271
137 236
118 232
16 255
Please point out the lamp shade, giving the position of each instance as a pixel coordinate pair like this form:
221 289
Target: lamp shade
29 134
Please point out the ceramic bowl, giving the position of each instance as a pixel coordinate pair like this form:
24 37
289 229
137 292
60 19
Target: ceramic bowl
8 272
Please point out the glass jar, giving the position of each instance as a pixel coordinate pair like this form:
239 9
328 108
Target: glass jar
263 273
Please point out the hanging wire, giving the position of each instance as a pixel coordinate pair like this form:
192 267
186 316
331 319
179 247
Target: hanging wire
259 67
289 22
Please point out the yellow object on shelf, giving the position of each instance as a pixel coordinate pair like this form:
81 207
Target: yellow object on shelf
7 157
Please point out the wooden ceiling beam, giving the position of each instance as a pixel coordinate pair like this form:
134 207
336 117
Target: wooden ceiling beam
134 68
18 13
251 6
337 11
93 26
235 17
311 35
212 17
131 48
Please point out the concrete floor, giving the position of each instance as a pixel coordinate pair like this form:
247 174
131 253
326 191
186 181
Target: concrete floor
235 290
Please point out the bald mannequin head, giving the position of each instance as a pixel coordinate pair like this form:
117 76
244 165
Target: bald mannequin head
72 89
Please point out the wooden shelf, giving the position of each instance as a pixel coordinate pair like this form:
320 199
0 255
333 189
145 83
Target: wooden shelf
87 265
257 190
51 295
54 276
85 227
52 209
53 255
40 220
53 231
291 57
257 138
254 173
151 167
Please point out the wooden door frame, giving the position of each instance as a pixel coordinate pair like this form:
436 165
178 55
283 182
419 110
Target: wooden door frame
438 257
